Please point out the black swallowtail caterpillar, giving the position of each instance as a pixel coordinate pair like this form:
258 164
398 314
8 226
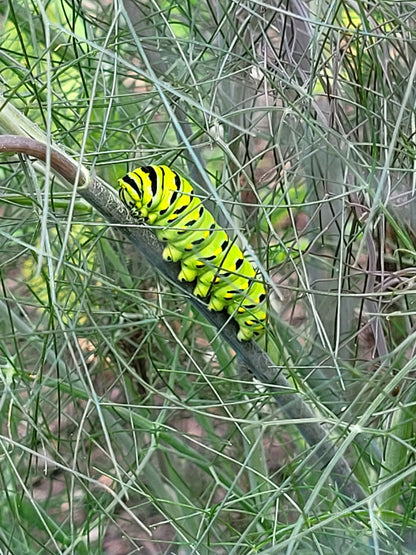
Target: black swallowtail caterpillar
160 197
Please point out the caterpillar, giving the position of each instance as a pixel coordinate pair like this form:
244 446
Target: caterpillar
160 197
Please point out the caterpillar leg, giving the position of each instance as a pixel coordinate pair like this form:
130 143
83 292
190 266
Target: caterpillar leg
234 286
194 264
171 253
204 287
217 304
224 273
209 278
187 273
251 322
246 333
248 311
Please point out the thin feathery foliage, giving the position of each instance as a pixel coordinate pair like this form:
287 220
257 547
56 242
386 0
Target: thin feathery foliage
127 422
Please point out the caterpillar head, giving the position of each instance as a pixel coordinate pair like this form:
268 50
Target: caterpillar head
131 195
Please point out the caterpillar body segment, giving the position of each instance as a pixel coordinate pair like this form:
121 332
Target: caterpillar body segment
222 275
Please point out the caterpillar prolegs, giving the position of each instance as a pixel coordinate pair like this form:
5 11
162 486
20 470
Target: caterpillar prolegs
160 197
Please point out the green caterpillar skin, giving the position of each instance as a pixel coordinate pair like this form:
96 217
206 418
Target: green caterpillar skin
160 197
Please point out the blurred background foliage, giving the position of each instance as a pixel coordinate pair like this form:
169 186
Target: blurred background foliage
126 422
